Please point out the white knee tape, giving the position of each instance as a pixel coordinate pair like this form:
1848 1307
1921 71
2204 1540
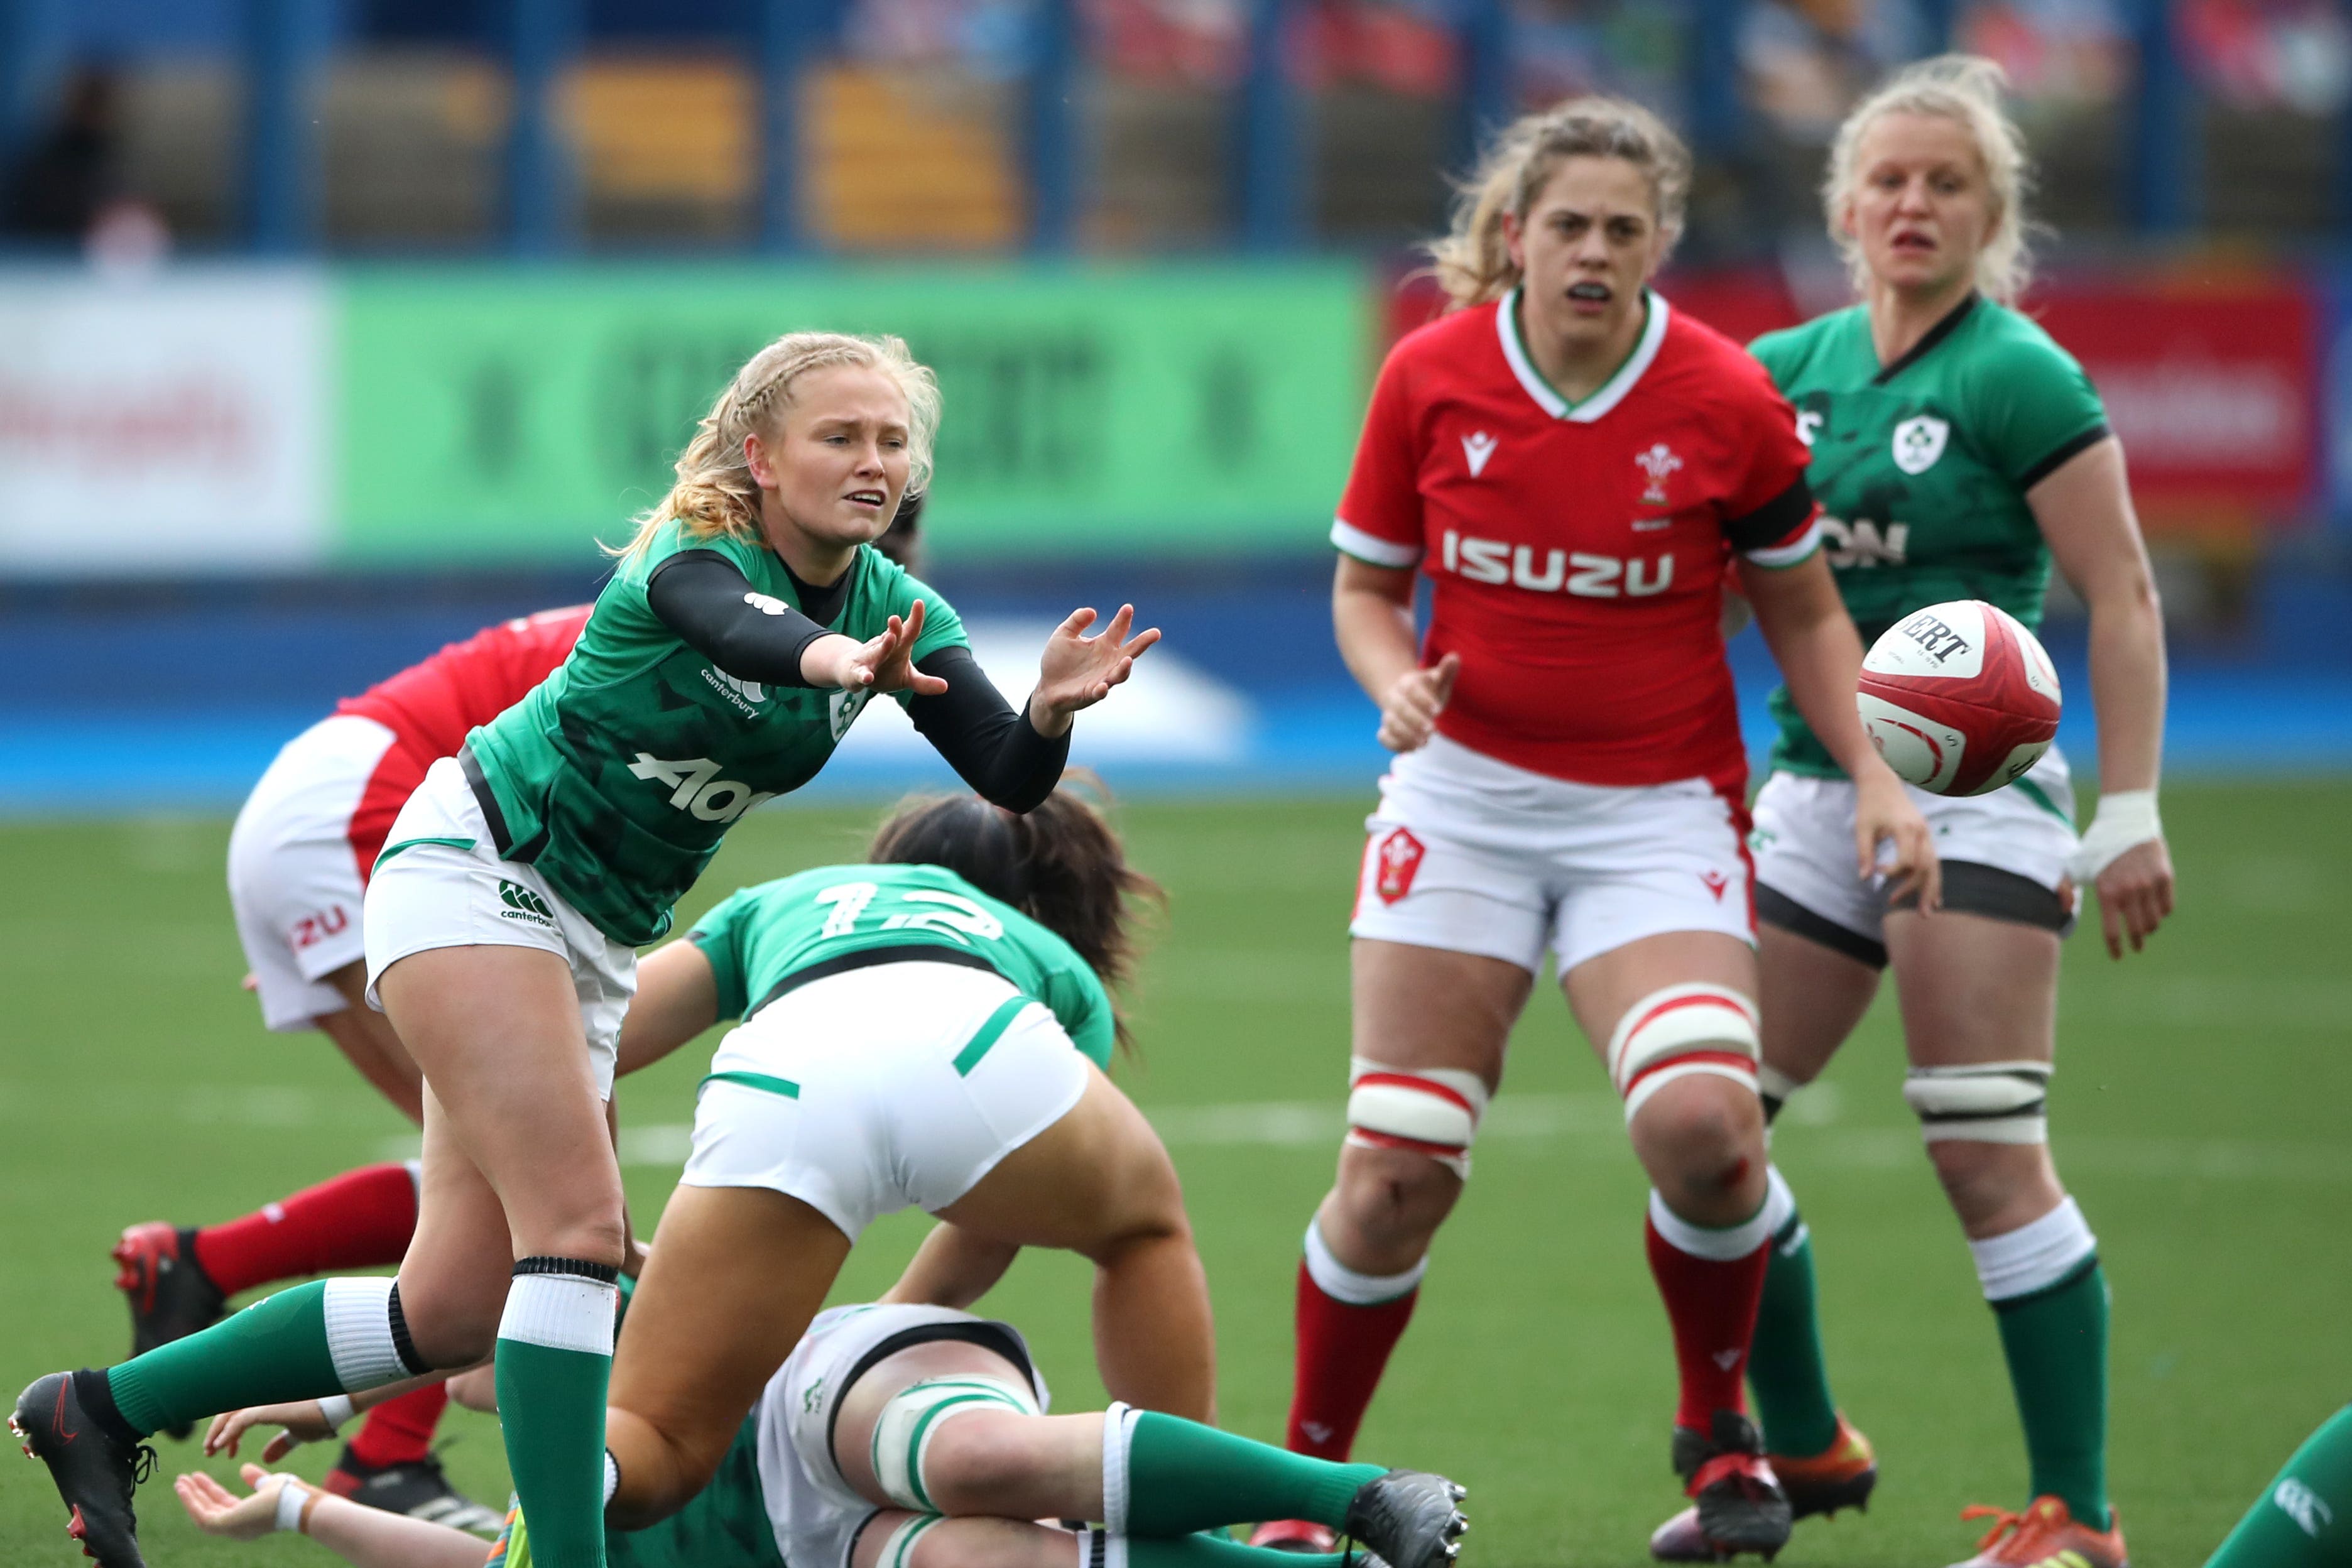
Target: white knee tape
1433 1112
1681 1031
904 1430
1988 1102
901 1544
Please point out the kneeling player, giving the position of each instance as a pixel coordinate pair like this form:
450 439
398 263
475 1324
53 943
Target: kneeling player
913 1436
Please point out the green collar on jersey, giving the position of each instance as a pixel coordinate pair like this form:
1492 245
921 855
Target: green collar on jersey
1945 325
1605 396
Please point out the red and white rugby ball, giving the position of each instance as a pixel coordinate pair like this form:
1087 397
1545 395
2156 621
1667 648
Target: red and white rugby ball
1960 698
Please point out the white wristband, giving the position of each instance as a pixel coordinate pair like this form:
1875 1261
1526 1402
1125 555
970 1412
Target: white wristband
336 1409
2126 818
291 1494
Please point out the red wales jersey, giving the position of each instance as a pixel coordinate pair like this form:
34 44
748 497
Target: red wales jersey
1578 550
430 706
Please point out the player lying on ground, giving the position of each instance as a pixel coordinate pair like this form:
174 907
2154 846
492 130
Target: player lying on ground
882 1420
299 862
1961 452
2303 1518
1572 464
742 632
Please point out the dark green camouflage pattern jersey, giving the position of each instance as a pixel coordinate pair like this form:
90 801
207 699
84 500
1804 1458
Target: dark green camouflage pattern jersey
619 774
1921 467
761 936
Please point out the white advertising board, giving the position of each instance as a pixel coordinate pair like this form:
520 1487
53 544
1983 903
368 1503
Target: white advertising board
163 422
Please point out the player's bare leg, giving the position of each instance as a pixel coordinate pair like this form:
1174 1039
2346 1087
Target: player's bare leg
1099 1183
1431 1026
1980 1012
735 1276
952 1428
1674 1019
1810 997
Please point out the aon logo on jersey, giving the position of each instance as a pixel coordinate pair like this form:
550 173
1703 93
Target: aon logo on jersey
695 786
1864 545
1574 572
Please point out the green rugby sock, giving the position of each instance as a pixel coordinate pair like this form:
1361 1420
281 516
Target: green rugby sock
1786 1370
2303 1518
1178 1477
274 1350
1211 1551
2055 1340
555 1361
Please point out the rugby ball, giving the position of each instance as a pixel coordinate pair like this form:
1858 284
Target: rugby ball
1960 698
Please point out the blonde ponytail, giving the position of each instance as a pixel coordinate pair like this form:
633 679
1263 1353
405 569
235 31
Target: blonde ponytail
1473 262
715 494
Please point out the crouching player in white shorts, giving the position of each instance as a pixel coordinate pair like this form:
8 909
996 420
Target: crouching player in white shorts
1571 464
1961 452
906 1436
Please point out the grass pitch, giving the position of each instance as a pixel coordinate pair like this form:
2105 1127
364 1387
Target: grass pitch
2199 1113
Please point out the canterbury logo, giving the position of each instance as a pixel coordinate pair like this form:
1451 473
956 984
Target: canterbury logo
524 902
1477 449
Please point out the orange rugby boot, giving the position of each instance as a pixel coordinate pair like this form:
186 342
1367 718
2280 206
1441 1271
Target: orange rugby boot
2044 1536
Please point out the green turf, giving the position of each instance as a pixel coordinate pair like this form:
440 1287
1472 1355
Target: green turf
2200 1116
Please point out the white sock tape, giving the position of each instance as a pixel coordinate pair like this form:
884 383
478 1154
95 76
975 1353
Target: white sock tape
2033 1257
358 1315
1341 1283
1704 1241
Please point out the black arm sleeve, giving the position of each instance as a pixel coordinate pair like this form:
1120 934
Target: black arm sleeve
702 596
992 748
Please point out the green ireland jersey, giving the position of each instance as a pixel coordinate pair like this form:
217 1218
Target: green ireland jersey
619 774
724 1525
1921 467
761 937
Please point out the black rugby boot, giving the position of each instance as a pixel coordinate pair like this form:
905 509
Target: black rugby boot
95 1467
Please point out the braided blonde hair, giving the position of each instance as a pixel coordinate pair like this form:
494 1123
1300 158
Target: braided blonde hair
1962 88
715 494
1473 263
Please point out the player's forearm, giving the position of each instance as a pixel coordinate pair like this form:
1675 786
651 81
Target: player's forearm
1820 655
2128 685
1376 639
953 1268
375 1537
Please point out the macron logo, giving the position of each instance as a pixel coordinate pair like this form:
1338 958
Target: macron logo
1477 449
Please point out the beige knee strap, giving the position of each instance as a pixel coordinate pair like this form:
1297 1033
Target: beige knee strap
1432 1111
1680 1031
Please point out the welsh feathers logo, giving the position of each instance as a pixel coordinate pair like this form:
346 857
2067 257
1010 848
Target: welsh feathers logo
1476 449
1659 463
1919 442
1395 859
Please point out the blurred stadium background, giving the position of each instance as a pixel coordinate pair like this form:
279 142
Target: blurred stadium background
331 330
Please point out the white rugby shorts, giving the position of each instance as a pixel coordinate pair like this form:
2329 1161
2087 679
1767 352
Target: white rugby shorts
440 883
896 1085
815 1513
1803 838
293 884
1471 855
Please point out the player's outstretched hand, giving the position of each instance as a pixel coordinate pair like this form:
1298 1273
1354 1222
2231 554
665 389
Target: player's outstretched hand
1882 814
1078 672
1409 716
220 1512
885 663
301 1422
2135 895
